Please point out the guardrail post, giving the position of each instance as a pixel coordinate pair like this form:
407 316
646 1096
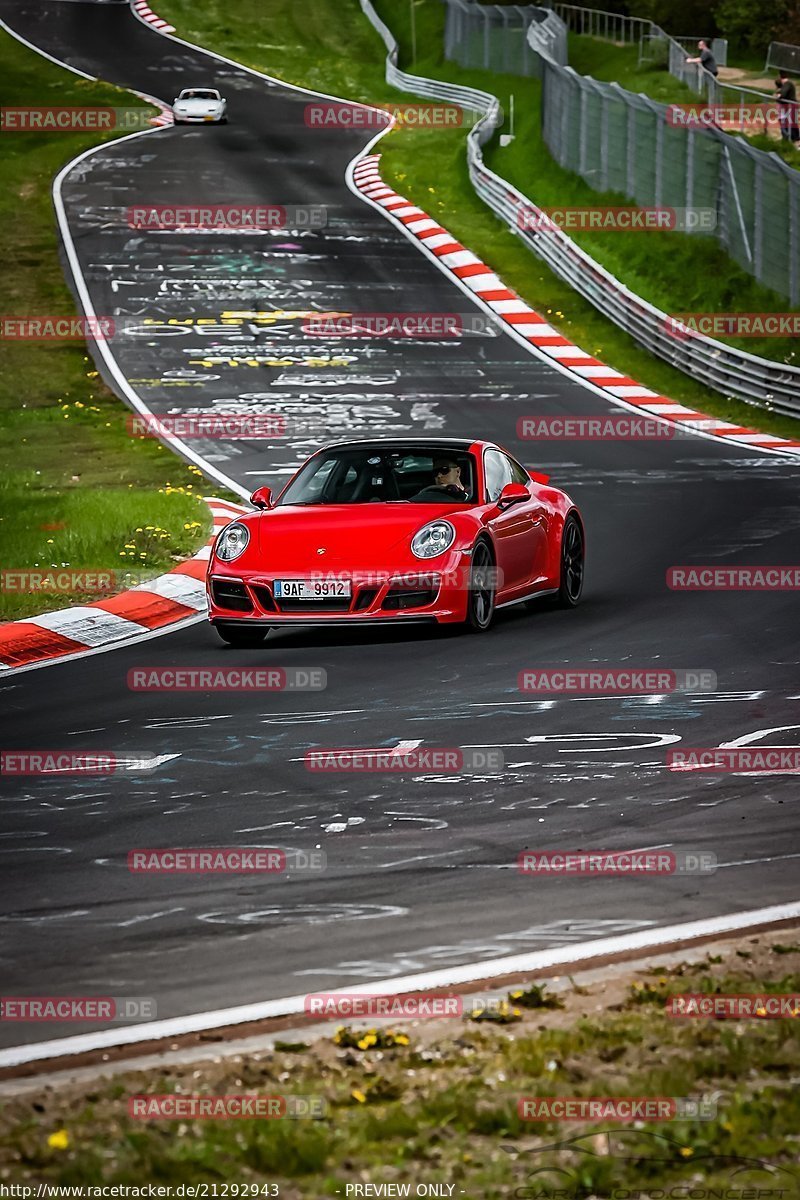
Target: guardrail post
604 147
583 131
758 223
659 163
794 242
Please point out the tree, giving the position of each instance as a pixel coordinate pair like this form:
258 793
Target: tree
752 24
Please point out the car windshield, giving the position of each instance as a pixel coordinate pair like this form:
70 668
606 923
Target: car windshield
199 94
370 474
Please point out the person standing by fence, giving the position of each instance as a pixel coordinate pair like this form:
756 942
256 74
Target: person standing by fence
705 58
786 95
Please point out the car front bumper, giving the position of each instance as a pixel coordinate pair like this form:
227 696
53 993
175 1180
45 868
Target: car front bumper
436 596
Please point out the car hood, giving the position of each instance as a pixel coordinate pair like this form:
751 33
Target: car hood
353 536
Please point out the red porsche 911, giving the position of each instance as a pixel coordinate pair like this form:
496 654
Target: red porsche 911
374 532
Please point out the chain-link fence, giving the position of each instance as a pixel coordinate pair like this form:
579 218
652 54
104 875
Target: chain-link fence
621 142
783 57
730 371
495 37
653 153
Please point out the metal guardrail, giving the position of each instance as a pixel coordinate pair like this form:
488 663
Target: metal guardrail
734 373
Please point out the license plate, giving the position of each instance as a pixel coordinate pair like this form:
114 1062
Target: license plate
311 589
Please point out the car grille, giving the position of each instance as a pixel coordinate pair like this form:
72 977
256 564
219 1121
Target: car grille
402 597
231 594
264 597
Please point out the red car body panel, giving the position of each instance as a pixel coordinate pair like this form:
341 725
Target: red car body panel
369 544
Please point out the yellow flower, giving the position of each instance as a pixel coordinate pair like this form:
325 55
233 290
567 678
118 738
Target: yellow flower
58 1140
686 1151
402 1040
359 1096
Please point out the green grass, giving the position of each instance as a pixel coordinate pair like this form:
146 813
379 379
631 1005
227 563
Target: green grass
65 455
340 53
440 1105
611 63
608 62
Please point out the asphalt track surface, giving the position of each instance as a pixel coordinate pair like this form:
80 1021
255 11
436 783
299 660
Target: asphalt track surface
421 869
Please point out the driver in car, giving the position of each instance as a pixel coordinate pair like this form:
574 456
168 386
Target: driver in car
446 484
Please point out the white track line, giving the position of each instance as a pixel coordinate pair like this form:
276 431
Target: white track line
513 964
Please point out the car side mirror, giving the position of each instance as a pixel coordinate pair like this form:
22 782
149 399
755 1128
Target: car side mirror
539 477
262 497
512 493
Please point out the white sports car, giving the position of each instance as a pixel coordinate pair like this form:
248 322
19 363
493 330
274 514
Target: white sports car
199 106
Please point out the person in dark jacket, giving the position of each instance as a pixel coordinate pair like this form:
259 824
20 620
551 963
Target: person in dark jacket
786 95
705 58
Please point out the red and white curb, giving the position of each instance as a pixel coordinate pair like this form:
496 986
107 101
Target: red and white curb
168 599
479 279
145 13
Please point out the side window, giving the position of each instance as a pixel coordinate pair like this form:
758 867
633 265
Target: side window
518 473
498 473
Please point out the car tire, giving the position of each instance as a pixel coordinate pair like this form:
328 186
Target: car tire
243 636
573 556
481 597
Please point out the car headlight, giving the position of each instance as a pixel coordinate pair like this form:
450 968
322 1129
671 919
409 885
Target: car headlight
232 542
433 539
